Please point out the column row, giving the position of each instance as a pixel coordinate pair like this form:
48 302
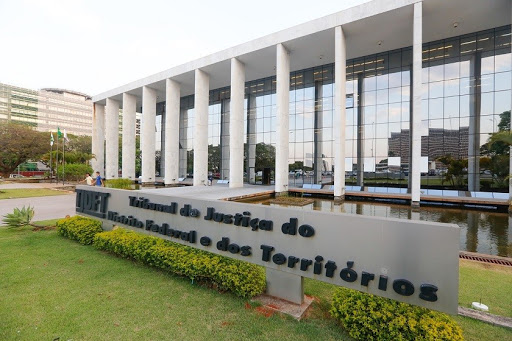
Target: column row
106 124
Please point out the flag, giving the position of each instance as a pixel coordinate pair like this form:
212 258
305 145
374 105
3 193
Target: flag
59 134
51 139
65 136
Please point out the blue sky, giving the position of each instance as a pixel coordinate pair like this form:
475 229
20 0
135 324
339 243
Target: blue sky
92 46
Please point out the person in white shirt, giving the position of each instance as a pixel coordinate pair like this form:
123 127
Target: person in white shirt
88 179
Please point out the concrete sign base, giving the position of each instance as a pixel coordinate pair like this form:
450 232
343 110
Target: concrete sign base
297 311
284 285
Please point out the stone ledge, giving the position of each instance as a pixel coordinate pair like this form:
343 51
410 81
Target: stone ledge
501 321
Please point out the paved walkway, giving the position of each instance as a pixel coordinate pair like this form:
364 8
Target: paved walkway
53 207
15 185
215 192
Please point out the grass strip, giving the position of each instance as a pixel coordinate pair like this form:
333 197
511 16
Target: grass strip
28 193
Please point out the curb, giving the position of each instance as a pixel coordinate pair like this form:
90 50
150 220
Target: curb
496 320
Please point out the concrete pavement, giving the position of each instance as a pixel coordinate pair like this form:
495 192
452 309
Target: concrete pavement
215 192
45 207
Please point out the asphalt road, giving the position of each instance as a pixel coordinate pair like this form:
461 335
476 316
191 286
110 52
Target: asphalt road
52 207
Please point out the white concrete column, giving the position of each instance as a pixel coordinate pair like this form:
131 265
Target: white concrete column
112 139
236 125
340 97
201 101
98 138
172 132
147 134
415 161
283 119
129 122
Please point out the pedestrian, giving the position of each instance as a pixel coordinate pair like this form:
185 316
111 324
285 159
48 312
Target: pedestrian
99 180
88 179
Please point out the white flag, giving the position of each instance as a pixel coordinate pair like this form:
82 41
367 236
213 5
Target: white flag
65 136
51 139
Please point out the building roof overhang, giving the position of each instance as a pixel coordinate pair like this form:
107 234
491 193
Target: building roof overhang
312 43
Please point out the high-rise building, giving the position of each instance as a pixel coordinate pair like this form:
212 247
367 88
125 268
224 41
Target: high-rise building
47 109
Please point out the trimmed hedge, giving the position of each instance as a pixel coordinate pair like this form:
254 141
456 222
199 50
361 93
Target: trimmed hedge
242 278
368 317
79 228
120 183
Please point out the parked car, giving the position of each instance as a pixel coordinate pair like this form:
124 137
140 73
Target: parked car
14 176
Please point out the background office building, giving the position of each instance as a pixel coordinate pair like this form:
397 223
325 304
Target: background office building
47 109
399 95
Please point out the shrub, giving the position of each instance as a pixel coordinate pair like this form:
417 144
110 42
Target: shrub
74 171
242 278
19 218
120 183
79 228
368 317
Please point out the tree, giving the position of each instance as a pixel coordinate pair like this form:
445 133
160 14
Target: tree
80 144
265 156
138 155
20 143
495 153
78 151
214 158
457 169
296 165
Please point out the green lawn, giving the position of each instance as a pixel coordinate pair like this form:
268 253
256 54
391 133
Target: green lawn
56 288
491 283
28 192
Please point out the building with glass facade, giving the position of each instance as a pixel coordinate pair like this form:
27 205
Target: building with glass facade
47 109
399 96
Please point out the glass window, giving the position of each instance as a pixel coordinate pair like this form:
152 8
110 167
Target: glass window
382 96
435 108
451 107
369 114
502 81
451 87
502 101
436 89
503 60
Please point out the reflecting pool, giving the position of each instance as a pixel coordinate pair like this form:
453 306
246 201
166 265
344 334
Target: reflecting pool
483 231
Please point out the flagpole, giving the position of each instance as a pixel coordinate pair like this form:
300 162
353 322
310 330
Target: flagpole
57 162
51 152
63 160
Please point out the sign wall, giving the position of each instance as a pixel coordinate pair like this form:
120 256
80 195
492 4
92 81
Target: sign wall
409 261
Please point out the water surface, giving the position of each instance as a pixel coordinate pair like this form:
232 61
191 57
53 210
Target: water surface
483 231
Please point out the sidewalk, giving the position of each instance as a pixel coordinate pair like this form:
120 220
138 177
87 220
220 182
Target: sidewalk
15 185
45 207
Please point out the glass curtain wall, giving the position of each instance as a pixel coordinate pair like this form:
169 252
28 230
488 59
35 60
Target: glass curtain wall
311 123
466 102
218 134
159 139
260 147
187 122
377 126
